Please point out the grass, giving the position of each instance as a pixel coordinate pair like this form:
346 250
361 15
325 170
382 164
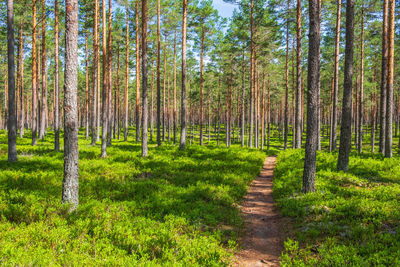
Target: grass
353 219
173 208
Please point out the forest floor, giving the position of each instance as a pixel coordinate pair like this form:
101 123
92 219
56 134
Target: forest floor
263 242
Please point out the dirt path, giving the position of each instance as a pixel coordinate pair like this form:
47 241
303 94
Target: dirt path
263 242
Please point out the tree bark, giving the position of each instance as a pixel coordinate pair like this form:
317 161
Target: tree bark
105 87
95 73
382 121
312 98
345 131
137 110
159 75
333 133
286 119
70 187
144 79
42 121
34 76
183 93
126 77
12 118
109 73
389 86
298 122
361 100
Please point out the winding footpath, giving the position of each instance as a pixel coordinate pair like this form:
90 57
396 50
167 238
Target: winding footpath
263 242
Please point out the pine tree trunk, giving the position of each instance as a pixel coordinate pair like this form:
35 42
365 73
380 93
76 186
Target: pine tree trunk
201 84
104 87
333 135
95 73
109 73
312 98
43 70
34 76
126 113
389 86
159 75
137 110
382 121
298 122
360 104
175 114
345 130
183 95
86 86
21 83
144 80
286 119
71 154
12 118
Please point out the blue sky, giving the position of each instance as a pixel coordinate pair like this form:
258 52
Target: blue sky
224 9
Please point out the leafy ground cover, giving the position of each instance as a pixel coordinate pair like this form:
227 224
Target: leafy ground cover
172 208
353 219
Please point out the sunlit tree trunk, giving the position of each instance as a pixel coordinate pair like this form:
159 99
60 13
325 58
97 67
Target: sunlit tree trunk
144 80
95 73
183 93
126 111
361 99
251 75
333 133
286 119
109 73
382 121
137 110
86 87
298 121
312 97
21 82
345 130
34 76
71 154
175 114
389 86
104 87
42 121
159 75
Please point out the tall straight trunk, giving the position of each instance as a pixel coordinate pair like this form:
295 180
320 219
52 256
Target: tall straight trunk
21 81
109 73
243 99
345 130
12 118
86 87
382 121
34 76
175 114
333 133
43 112
164 88
269 115
251 74
95 73
389 86
293 96
152 109
201 83
118 103
183 92
312 97
263 112
286 119
126 113
56 82
71 152
361 99
144 80
105 87
298 121
159 75
137 110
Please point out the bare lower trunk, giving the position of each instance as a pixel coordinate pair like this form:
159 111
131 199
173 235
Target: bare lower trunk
144 79
345 131
71 154
183 95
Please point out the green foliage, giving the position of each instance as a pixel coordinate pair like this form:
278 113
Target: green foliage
351 220
173 208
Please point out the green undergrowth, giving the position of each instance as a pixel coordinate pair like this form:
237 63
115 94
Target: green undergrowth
172 208
353 219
